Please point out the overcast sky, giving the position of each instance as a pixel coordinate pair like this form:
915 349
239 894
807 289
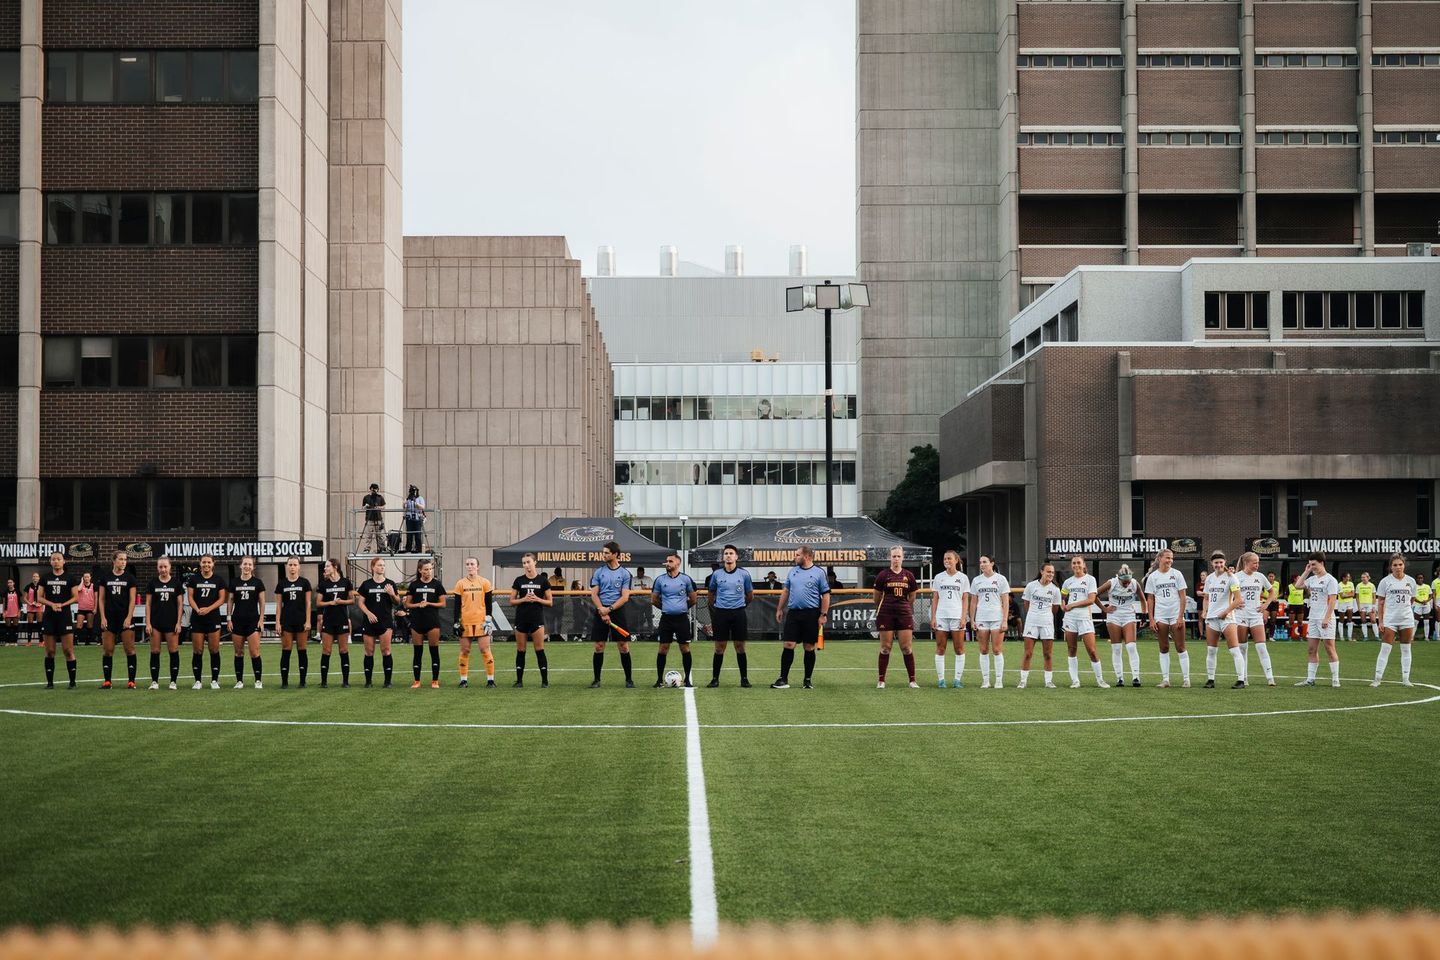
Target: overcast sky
635 123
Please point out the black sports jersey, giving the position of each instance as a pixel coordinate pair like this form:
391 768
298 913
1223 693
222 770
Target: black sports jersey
422 591
206 589
526 587
58 587
115 589
332 590
529 616
377 601
294 599
162 604
245 599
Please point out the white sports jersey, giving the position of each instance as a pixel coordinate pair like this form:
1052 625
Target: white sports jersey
1077 588
1165 587
1317 589
1043 597
1252 590
1122 596
950 593
1399 595
1218 587
988 592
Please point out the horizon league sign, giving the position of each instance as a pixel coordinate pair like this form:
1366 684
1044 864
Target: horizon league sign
1344 546
1121 546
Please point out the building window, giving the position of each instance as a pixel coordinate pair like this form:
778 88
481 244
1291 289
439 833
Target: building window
9 219
9 76
1137 508
97 504
1424 512
7 504
160 219
150 76
1292 507
104 363
782 407
1343 310
1193 61
9 361
1267 512
1237 311
1405 59
1162 139
1407 138
1065 61
1328 60
726 473
1083 139
1281 138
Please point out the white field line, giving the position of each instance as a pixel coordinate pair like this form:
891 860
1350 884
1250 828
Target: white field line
704 912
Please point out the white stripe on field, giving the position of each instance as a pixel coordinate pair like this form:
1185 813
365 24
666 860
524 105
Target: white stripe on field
704 912
350 723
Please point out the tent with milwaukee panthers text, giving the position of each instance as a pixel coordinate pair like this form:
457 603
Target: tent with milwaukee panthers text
577 541
847 541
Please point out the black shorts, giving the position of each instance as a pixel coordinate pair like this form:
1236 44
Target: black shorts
378 627
55 623
114 620
296 625
424 624
802 626
244 626
205 622
674 628
334 625
528 620
729 624
164 626
599 630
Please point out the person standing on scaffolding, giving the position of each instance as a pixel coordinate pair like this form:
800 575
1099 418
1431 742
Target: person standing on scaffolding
414 521
372 535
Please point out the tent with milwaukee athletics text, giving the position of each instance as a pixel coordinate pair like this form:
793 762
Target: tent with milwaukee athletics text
848 541
577 541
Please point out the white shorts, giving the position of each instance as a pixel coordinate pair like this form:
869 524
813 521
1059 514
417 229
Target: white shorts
1170 619
1040 630
1218 624
1345 606
1249 618
1121 618
1367 608
989 625
1399 623
1422 609
1079 622
948 624
1316 629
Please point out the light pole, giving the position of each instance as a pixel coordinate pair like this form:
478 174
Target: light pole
684 553
827 297
1310 506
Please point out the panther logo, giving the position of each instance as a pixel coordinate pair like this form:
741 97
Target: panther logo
1265 546
1185 545
590 534
80 551
139 550
808 533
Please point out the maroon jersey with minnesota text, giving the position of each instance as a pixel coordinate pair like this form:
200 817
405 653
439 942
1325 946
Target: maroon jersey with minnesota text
895 591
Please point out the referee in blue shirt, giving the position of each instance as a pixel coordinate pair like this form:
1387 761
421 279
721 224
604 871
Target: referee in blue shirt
674 594
609 590
731 591
804 600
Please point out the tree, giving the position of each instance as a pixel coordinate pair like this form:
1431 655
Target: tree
618 498
914 511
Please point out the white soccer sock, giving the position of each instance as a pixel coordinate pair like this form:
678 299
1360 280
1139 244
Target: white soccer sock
1211 655
1311 668
1024 676
1074 665
960 665
1133 649
1165 667
1404 661
1262 650
1185 665
1381 660
1049 677
1117 660
940 666
984 668
999 668
1238 655
1095 666
1334 669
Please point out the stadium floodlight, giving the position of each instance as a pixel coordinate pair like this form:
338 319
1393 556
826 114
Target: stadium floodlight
828 297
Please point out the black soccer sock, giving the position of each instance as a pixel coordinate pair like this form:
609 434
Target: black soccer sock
255 668
809 663
369 667
435 661
284 667
416 660
597 659
716 662
131 663
687 660
659 666
324 669
175 666
625 665
787 657
154 668
107 664
519 664
544 664
215 665
303 658
49 669
388 662
239 668
70 669
344 668
197 663
741 659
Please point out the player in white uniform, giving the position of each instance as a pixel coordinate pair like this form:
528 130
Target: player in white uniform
1118 597
989 610
1395 594
951 588
1221 599
1165 603
1250 618
1321 592
1038 605
1078 595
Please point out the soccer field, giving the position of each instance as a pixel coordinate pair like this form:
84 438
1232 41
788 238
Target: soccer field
843 802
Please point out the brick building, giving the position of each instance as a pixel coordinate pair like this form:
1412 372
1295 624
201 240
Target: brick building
1001 144
1221 402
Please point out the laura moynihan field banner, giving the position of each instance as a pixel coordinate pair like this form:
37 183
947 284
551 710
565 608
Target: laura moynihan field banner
1121 546
40 551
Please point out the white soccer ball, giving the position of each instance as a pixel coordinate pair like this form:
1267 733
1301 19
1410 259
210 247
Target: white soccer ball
674 678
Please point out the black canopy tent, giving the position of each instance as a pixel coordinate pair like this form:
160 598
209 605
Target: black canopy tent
576 541
848 541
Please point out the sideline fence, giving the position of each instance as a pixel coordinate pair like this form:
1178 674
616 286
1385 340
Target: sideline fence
1376 937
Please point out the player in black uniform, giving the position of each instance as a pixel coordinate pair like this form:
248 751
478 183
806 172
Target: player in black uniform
117 613
163 597
425 598
334 598
529 596
377 599
293 592
57 593
247 610
206 593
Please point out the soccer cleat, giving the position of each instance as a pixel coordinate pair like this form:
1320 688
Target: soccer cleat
659 684
1119 683
464 681
1270 682
984 684
239 685
130 685
325 684
1102 684
999 684
105 685
880 685
914 685
1074 684
343 683
1135 682
594 684
687 683
72 685
956 684
715 682
1163 684
1333 683
285 683
1185 684
435 684
1022 684
544 684
302 684
371 683
1374 683
517 684
1210 684
1050 686
415 685
197 686
489 684
745 682
630 684
1238 685
259 685
807 684
1305 683
1406 683
940 683
780 684
214 684
174 685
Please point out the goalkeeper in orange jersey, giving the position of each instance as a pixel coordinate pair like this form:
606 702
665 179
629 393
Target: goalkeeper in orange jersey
474 597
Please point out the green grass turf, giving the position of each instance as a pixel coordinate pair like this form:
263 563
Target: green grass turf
128 822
